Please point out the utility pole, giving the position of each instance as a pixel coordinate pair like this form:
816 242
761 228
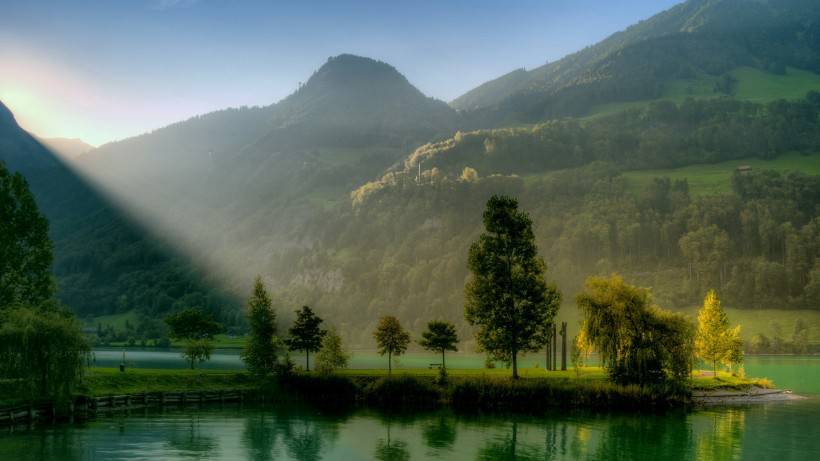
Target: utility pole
548 362
563 346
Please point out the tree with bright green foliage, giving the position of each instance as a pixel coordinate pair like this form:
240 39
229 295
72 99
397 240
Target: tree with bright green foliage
261 350
440 337
391 339
638 343
25 247
715 342
197 329
508 297
332 354
306 333
42 348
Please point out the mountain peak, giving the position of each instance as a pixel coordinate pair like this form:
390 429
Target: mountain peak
357 98
349 69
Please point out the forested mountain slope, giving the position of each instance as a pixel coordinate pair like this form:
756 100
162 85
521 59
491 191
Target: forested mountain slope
694 39
103 261
226 189
357 195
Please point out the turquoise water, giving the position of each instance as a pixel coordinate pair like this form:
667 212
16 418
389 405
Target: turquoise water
777 430
782 431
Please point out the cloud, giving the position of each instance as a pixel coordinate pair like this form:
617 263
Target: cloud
162 5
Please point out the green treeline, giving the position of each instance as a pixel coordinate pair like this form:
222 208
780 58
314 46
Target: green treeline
660 135
756 245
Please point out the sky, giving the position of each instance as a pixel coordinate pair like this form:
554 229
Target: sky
110 69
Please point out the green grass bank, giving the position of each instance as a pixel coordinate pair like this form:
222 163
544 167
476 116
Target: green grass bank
465 390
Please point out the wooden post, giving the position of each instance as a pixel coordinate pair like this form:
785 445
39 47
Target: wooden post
554 348
563 346
548 363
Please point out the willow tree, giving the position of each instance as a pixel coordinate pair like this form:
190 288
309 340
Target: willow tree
43 351
638 343
508 297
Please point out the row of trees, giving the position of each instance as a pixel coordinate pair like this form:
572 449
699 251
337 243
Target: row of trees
755 241
779 343
513 306
392 339
263 348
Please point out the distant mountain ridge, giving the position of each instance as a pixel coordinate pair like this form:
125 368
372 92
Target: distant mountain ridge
67 147
206 181
103 260
697 36
267 190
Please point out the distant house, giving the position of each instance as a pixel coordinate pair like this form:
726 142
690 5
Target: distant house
743 169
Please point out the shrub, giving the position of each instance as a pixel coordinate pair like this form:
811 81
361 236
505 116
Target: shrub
401 392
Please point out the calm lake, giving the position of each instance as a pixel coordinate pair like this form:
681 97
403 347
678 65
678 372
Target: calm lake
779 431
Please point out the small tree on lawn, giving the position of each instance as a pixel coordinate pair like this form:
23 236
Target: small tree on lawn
440 337
260 353
715 342
305 334
332 354
391 339
197 329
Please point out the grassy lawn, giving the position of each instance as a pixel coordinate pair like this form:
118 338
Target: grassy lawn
117 321
753 85
110 381
716 178
107 381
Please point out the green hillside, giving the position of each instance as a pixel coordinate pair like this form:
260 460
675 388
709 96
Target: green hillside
683 51
751 84
716 178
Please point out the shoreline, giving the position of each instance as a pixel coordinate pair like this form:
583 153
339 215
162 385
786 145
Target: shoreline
755 395
463 391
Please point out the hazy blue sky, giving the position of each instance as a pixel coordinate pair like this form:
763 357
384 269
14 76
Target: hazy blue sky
110 69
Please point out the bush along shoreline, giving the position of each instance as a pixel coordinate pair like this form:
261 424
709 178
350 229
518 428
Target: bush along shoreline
482 394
